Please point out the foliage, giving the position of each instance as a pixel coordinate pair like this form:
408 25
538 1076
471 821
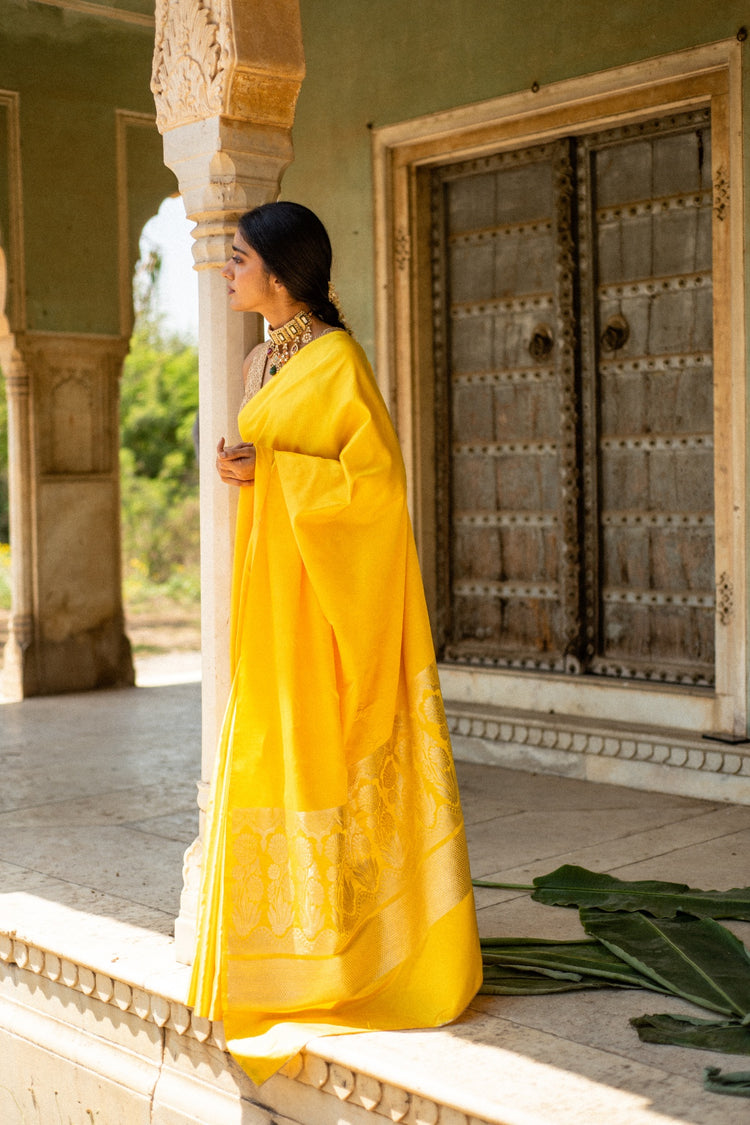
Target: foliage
694 958
570 885
159 474
4 513
737 1084
4 576
727 1036
653 935
587 963
158 470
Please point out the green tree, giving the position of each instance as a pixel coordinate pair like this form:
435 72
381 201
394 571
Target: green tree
159 474
4 513
4 510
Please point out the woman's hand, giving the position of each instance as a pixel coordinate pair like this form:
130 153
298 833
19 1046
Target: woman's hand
236 463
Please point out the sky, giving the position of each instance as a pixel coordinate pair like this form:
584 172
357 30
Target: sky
177 287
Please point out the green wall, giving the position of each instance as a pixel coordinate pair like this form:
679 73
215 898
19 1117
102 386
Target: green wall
72 71
376 62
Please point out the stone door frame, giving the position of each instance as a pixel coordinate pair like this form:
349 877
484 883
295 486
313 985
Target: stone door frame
402 153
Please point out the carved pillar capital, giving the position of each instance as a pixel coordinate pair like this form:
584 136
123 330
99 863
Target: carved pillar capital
224 167
13 367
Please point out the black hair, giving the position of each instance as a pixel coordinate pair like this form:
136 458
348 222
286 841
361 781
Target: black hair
295 247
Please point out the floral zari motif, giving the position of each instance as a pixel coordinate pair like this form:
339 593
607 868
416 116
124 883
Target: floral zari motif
305 882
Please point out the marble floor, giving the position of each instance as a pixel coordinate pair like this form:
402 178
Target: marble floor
97 805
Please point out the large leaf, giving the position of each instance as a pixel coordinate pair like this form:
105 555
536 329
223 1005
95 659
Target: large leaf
574 960
737 1084
727 1036
695 958
491 943
570 885
502 980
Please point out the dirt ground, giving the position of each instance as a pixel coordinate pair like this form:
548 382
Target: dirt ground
155 630
164 629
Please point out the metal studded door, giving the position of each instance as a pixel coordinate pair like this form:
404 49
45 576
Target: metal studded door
572 291
646 206
509 526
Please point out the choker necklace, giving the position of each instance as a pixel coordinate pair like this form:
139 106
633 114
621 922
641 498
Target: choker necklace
288 339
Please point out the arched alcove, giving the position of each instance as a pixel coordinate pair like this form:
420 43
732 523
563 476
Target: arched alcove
158 464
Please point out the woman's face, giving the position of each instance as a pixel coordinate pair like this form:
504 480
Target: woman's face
250 284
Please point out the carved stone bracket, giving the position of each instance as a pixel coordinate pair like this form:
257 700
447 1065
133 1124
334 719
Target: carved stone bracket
213 57
192 54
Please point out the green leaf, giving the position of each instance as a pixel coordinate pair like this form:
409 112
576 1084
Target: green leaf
570 885
695 958
501 943
727 1036
502 886
737 1084
504 981
571 959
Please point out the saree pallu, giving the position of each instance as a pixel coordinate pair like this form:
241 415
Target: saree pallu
336 894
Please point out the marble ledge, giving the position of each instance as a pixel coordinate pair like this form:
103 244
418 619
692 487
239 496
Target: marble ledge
134 971
488 1068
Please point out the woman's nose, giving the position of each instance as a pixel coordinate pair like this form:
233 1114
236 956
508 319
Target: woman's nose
225 272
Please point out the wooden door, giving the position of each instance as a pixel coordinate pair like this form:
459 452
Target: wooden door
648 381
574 410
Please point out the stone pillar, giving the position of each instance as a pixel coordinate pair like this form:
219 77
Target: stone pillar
19 673
225 79
66 630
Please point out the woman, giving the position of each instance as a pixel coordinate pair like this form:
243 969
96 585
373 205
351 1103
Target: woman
336 893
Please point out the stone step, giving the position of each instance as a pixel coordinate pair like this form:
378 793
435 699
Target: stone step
637 756
94 1027
98 1017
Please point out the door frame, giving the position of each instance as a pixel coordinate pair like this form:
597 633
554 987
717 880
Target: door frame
403 154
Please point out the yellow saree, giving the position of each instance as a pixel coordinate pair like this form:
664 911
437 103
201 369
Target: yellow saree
336 893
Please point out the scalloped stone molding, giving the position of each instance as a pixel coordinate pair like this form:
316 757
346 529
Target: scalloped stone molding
566 745
365 1094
